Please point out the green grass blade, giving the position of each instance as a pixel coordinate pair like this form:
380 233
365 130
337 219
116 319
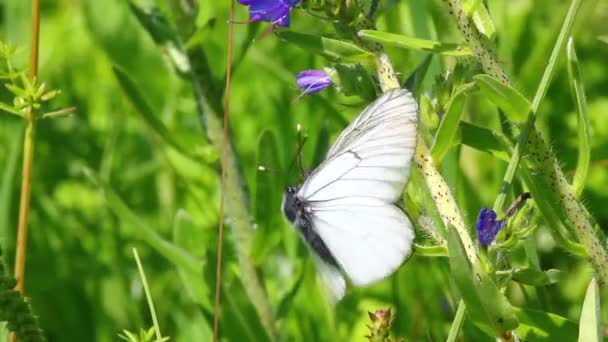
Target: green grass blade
332 49
148 114
457 322
590 326
144 282
444 138
405 42
584 138
267 196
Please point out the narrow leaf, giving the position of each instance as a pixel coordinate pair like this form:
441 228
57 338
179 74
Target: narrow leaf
414 81
147 112
542 326
405 42
484 139
354 80
590 326
10 109
486 305
483 22
332 49
444 138
267 196
505 97
584 139
535 277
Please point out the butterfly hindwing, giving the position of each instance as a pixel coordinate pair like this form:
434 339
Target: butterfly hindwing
368 238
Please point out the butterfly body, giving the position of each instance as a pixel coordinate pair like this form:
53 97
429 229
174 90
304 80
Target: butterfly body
345 210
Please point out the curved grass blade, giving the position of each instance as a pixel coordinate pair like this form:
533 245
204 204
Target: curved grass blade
584 138
332 49
140 103
267 199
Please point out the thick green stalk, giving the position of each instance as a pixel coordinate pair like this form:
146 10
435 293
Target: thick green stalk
531 138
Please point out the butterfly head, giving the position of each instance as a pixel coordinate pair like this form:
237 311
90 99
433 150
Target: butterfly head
291 203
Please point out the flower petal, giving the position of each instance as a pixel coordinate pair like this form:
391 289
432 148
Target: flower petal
487 226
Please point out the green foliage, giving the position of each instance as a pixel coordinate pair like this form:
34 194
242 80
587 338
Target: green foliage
16 311
137 165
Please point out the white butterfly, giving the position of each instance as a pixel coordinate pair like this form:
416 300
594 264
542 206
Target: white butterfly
346 211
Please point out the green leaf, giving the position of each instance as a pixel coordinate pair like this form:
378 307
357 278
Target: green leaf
487 307
544 327
590 326
10 109
483 21
354 80
457 323
484 139
584 138
405 42
332 49
603 39
445 136
267 199
414 81
147 112
535 277
505 97
155 23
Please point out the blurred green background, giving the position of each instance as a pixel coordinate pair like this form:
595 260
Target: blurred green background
81 276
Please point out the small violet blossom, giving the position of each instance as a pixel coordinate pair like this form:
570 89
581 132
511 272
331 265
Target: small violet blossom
275 12
313 81
487 226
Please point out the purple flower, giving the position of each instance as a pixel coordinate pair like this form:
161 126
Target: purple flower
487 226
313 81
275 12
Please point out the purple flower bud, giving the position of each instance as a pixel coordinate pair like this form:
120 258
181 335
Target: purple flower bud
487 226
275 12
313 81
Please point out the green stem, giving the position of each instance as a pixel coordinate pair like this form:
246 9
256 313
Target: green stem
457 323
24 203
144 282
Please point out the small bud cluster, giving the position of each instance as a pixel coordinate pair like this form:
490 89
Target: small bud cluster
16 311
379 329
